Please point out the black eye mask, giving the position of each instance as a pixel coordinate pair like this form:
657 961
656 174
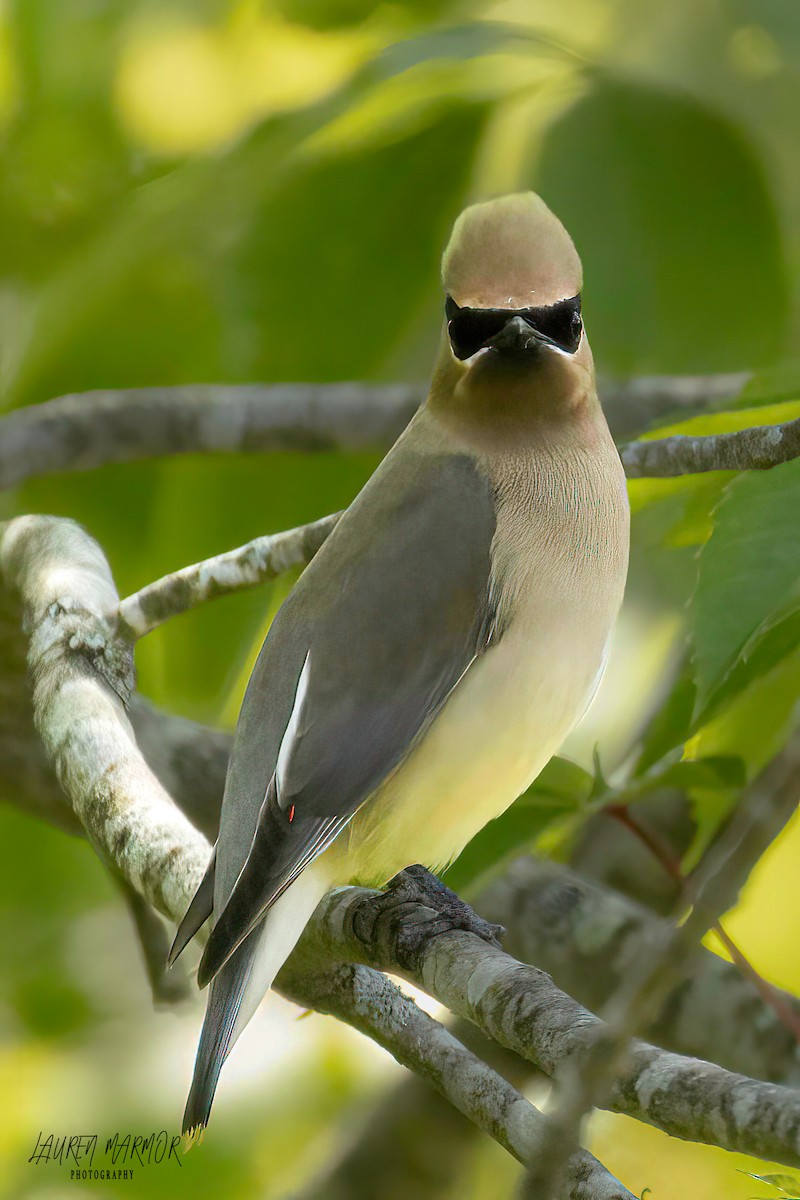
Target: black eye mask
471 328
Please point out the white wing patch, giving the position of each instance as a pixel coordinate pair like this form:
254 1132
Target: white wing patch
290 736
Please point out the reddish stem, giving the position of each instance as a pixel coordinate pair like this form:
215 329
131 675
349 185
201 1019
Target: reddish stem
786 1014
657 846
662 852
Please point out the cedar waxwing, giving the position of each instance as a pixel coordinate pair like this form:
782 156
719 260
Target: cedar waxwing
445 639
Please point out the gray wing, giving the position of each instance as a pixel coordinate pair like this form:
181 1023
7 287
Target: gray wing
356 664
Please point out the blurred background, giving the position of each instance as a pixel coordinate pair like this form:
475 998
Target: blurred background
204 191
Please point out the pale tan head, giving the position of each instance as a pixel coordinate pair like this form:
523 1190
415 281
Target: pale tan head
514 351
510 253
512 279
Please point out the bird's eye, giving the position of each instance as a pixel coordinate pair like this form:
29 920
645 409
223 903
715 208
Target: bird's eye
560 322
471 328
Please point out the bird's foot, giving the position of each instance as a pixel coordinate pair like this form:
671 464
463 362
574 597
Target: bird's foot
418 885
391 913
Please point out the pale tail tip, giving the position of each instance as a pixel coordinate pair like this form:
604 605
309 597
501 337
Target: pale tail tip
192 1137
176 949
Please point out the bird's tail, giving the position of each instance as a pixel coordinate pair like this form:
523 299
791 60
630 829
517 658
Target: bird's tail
238 988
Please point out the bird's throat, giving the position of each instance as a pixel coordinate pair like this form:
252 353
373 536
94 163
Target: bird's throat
490 404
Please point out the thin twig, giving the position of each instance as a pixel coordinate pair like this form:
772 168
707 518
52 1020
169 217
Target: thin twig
662 854
769 994
262 559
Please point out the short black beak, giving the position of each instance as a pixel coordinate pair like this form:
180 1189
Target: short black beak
516 337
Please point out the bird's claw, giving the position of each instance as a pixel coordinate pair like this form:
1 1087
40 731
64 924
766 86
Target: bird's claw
421 885
417 886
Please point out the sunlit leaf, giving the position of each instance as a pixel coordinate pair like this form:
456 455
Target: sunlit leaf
787 1185
757 722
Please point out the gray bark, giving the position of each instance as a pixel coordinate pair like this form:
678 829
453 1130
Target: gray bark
79 432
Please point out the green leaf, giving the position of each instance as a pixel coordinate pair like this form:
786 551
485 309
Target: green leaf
746 608
709 810
636 173
718 773
675 512
160 271
561 789
757 722
334 14
466 41
771 386
786 1184
753 725
771 645
563 780
679 512
346 249
712 784
669 725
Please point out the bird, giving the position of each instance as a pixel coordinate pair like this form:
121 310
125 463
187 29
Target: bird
445 639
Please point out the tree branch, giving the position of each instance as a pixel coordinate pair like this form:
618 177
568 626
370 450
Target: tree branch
412 1142
755 449
587 937
189 760
83 431
522 1009
371 1003
637 404
82 676
758 448
168 986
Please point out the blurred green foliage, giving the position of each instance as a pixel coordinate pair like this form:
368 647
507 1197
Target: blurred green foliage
210 190
677 190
